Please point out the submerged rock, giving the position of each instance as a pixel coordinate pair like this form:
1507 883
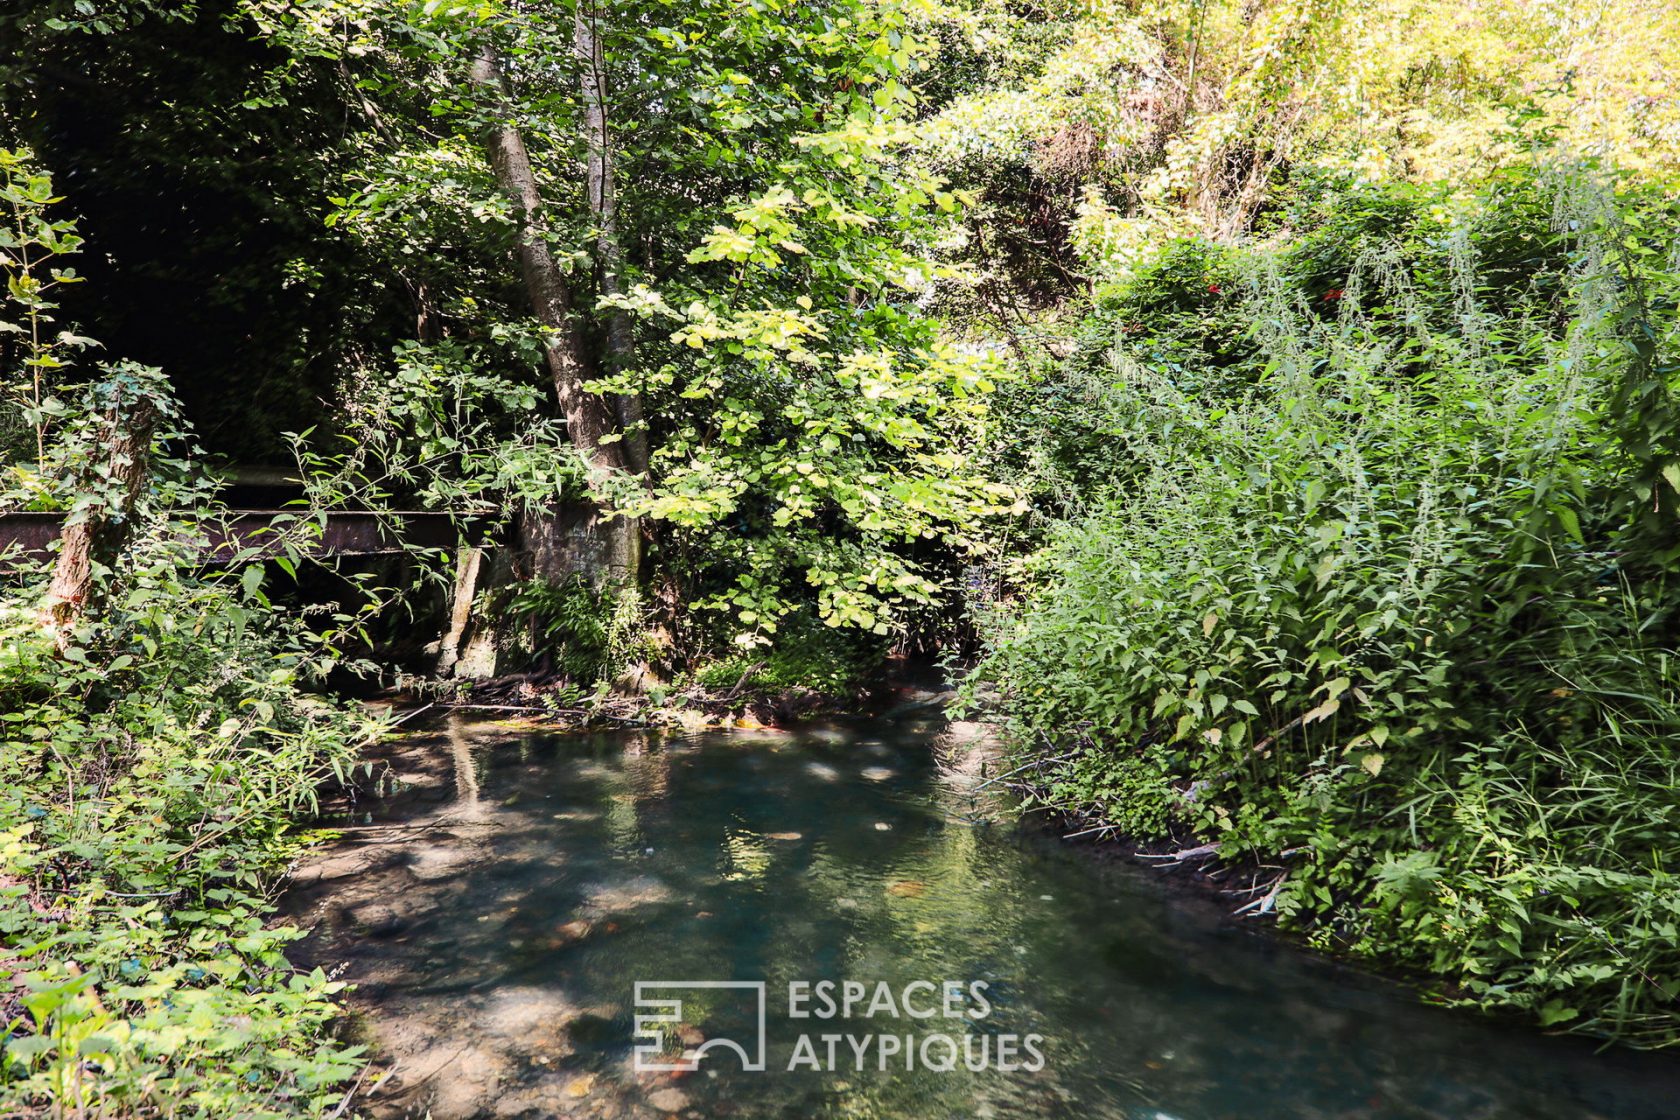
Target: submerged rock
570 932
380 919
629 895
461 1079
668 1100
436 864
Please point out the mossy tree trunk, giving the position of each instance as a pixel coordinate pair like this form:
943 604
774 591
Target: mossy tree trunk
94 538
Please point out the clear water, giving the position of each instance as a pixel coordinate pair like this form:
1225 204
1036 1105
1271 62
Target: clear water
498 916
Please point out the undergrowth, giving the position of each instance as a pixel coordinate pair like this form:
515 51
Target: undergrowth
150 776
807 657
1381 596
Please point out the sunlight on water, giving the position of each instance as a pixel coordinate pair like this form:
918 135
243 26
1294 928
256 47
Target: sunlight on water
497 916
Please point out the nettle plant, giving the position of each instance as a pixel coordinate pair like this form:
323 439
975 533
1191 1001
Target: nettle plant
1394 621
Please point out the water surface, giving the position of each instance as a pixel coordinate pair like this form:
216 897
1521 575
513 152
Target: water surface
497 916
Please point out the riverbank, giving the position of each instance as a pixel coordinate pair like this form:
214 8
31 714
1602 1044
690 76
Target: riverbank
146 814
748 695
1350 580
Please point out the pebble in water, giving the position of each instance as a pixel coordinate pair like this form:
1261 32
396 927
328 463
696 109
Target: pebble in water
669 1100
570 932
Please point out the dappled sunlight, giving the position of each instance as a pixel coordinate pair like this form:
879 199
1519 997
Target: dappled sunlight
506 987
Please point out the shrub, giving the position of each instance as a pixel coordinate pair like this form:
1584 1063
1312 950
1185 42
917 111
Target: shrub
150 774
807 656
592 633
1387 619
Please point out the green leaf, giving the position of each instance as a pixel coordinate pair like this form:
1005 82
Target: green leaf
1571 524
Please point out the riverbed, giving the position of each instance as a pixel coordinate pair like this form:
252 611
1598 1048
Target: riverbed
497 911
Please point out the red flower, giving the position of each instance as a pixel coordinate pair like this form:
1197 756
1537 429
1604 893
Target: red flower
1333 294
1214 288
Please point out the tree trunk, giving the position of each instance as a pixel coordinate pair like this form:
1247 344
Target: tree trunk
95 541
625 546
602 189
588 417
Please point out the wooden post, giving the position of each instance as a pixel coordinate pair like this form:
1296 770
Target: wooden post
467 563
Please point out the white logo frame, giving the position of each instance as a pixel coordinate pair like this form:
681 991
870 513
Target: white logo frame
647 1055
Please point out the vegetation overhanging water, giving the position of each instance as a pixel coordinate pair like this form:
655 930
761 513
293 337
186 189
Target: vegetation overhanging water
1274 405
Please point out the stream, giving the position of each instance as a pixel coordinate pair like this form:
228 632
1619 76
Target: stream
497 912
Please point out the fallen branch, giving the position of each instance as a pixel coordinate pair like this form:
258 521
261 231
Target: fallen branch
752 671
1284 730
344 1104
1267 902
1185 855
1035 763
510 708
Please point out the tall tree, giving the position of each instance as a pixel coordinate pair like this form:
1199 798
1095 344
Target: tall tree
602 190
726 252
589 422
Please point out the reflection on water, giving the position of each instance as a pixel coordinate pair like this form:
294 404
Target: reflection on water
497 917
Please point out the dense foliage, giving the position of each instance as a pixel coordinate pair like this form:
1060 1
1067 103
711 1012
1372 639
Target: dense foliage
1093 131
1280 394
153 755
151 772
1360 580
150 781
804 425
